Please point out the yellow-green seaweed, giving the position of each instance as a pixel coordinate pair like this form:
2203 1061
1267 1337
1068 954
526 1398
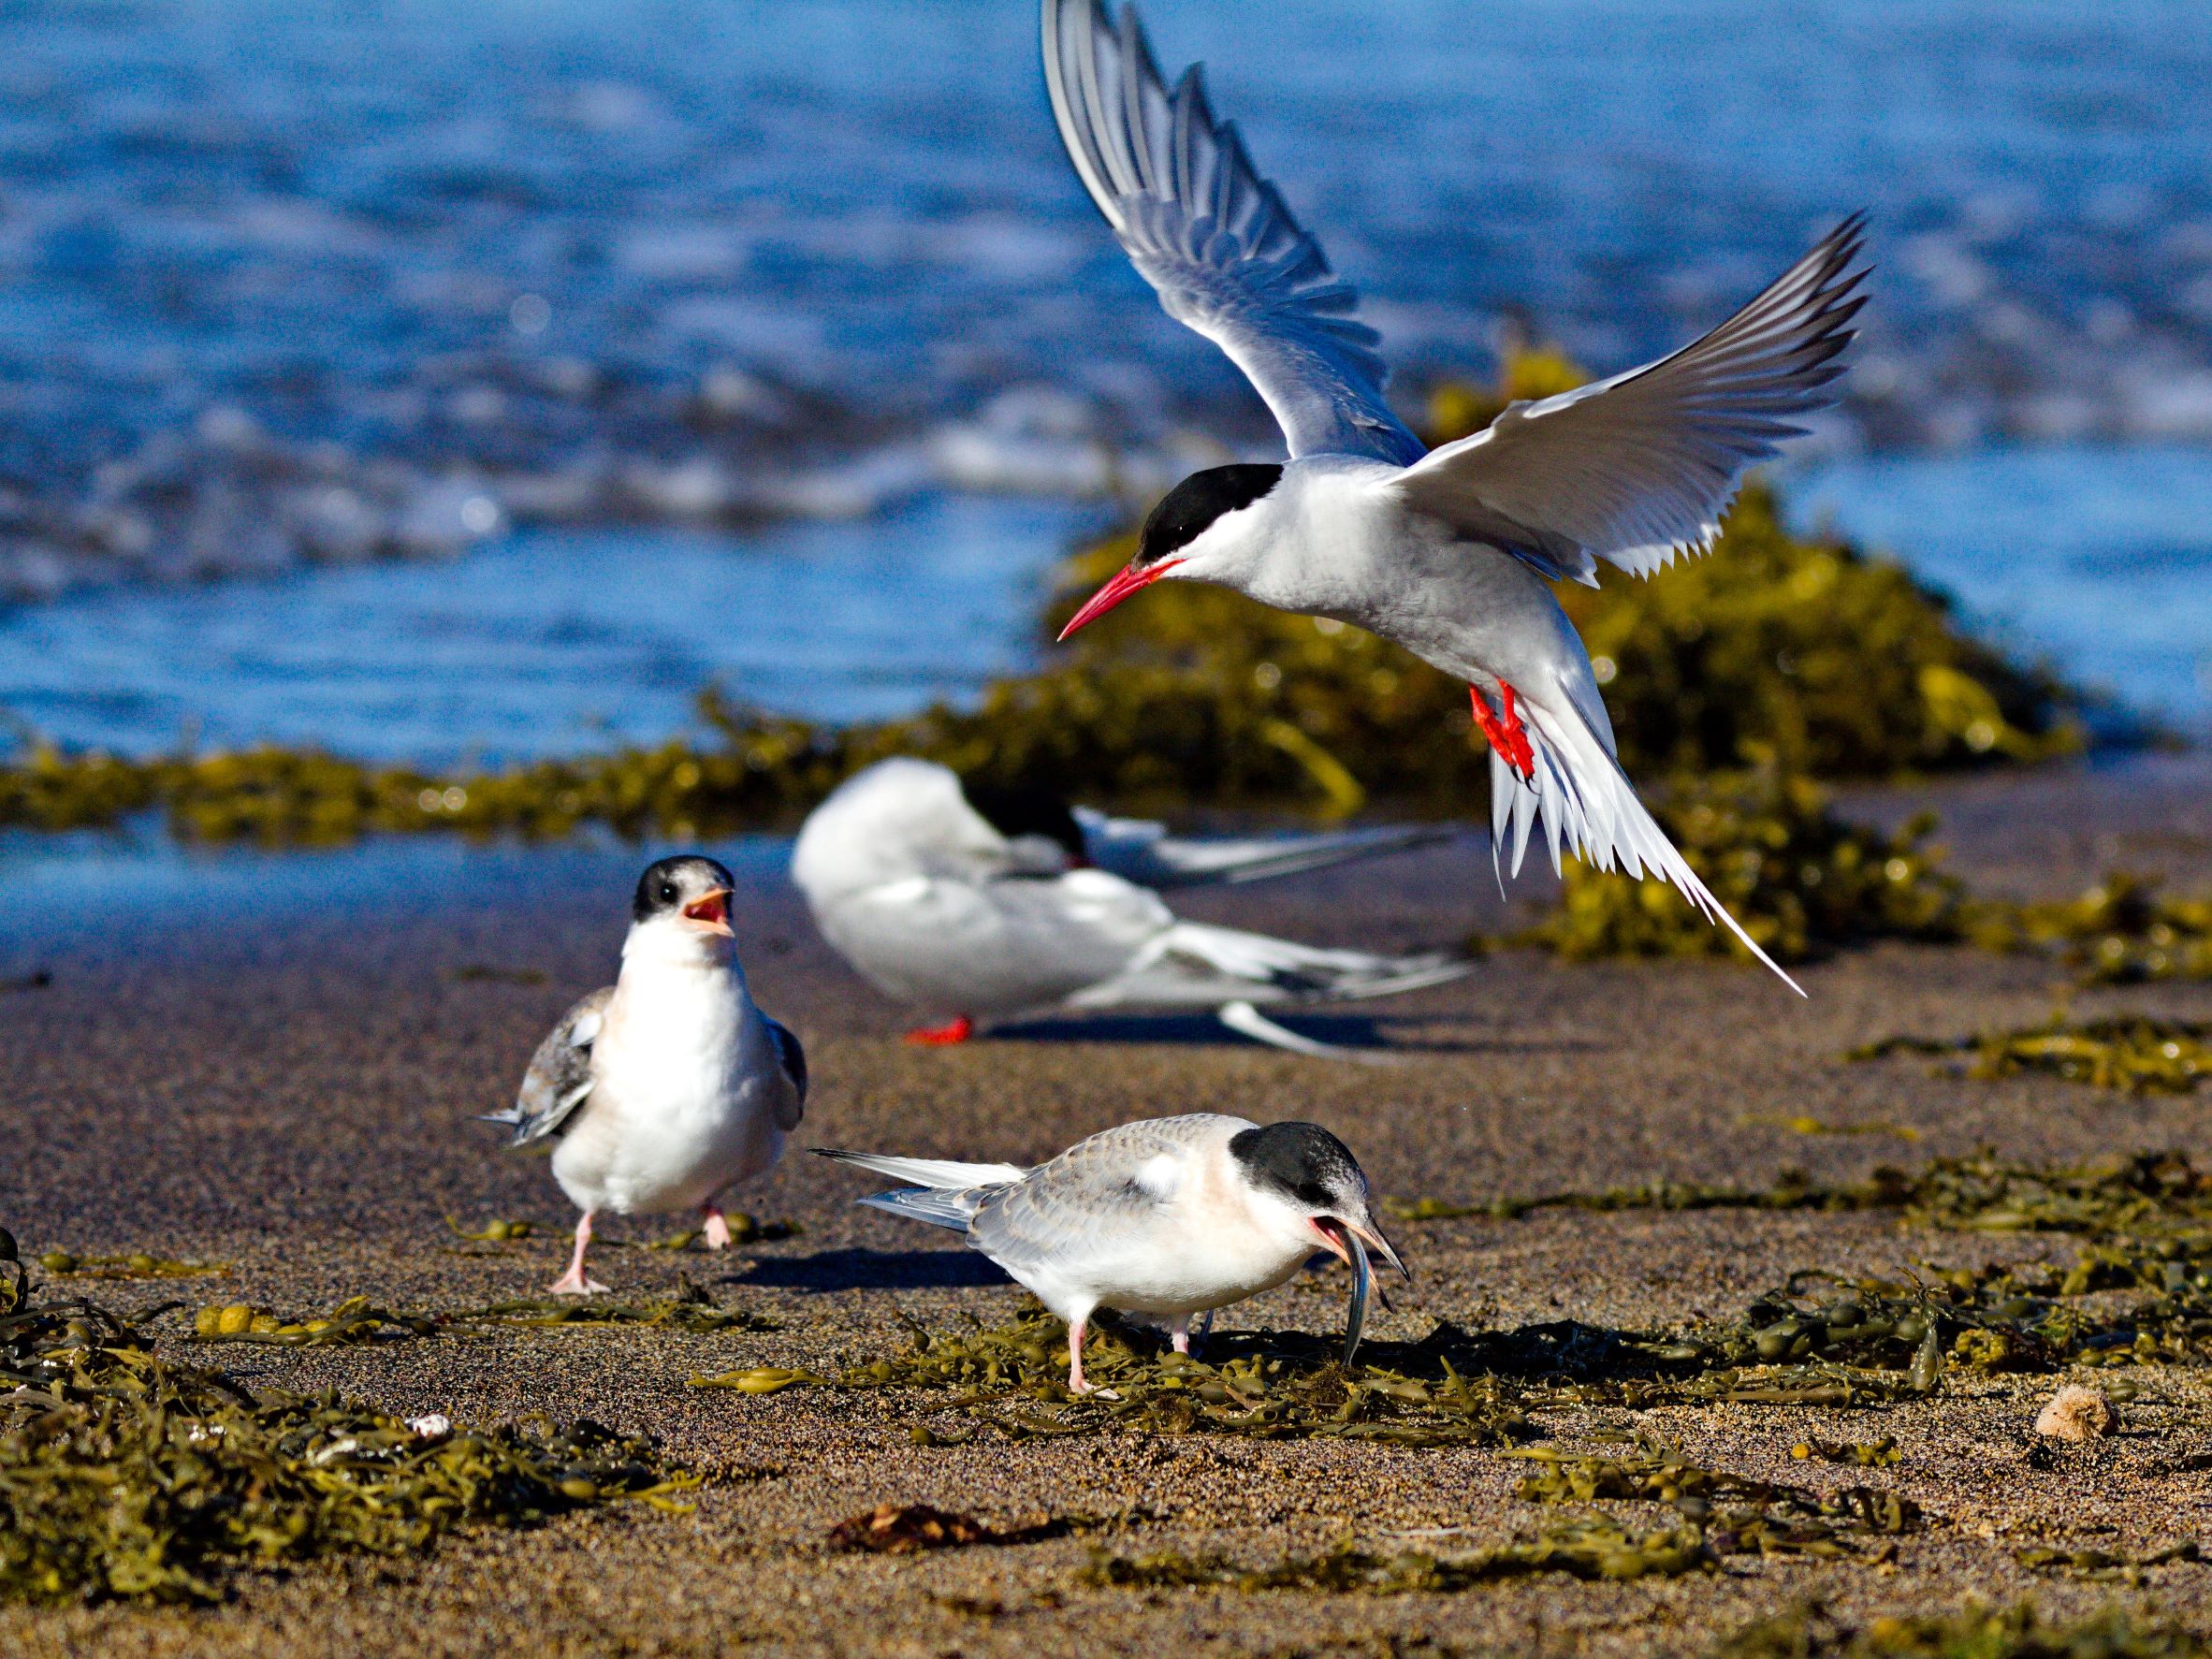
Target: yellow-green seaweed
2131 1053
1973 1632
1798 878
124 1474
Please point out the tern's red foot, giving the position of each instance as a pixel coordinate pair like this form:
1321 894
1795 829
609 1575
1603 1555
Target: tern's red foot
717 1229
944 1036
1506 734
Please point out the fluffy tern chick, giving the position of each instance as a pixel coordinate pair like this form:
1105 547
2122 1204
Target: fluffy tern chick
670 1085
1169 1215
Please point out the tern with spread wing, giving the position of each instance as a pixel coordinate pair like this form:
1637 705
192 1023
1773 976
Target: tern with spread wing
669 1085
1450 553
1170 1215
977 906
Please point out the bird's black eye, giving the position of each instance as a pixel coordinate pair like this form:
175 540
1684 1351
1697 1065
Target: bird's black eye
667 892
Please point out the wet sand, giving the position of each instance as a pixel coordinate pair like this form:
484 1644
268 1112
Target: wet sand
291 1093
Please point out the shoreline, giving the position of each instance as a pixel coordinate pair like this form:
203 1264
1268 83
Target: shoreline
292 1093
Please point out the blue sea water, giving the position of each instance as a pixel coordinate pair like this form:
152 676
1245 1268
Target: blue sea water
439 377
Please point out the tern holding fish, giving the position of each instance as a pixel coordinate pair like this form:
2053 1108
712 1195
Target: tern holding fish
980 905
1168 1215
669 1085
1450 553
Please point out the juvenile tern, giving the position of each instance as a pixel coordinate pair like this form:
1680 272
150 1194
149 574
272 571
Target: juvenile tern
934 903
1171 1216
670 1085
1448 553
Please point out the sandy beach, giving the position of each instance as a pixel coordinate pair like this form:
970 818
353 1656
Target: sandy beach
288 1089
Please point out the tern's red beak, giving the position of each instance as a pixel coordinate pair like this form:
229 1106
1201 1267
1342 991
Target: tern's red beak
711 911
1125 582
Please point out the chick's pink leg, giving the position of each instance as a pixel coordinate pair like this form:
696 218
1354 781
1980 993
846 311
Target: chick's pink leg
717 1230
575 1282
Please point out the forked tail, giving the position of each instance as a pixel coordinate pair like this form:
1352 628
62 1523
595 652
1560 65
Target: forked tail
1588 807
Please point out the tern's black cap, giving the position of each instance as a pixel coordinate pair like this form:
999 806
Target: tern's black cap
674 883
1185 513
1018 812
1301 1160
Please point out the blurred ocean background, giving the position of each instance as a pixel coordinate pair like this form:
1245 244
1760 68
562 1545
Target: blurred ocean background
478 378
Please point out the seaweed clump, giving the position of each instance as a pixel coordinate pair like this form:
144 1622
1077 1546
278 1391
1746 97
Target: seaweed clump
2128 1052
2019 1632
124 1474
1799 878
2120 932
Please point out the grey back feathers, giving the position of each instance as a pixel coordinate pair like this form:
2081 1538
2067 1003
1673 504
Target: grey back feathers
560 1076
1188 510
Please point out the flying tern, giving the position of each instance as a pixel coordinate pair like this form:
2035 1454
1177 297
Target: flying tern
1450 553
670 1085
979 906
1170 1215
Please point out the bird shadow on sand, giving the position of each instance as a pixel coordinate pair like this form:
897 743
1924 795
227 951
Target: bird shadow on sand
872 1269
1379 1034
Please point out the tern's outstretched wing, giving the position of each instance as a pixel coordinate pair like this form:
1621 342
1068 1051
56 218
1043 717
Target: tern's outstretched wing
1213 237
560 1076
1639 468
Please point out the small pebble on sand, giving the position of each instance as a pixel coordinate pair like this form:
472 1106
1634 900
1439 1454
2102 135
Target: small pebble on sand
2075 1413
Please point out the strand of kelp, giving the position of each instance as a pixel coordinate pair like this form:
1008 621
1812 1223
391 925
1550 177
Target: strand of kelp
2135 1053
125 1474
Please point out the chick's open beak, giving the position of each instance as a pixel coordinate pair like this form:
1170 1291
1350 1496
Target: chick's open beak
1334 1230
711 911
1125 582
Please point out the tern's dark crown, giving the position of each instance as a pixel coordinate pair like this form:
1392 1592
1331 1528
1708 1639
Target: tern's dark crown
1301 1160
1018 812
674 883
1186 511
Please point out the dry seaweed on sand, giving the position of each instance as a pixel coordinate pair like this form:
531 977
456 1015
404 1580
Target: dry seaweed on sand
355 1321
1982 1193
1973 1632
2135 1053
2121 931
1799 878
1735 1514
125 1474
1581 1546
358 1320
129 1264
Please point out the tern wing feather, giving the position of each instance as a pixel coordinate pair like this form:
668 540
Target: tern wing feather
1638 468
1075 1205
1197 964
1214 239
1139 850
791 1059
1590 808
559 1080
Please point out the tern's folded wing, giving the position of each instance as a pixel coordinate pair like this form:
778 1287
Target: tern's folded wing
560 1076
991 949
1084 1201
1639 467
1214 238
